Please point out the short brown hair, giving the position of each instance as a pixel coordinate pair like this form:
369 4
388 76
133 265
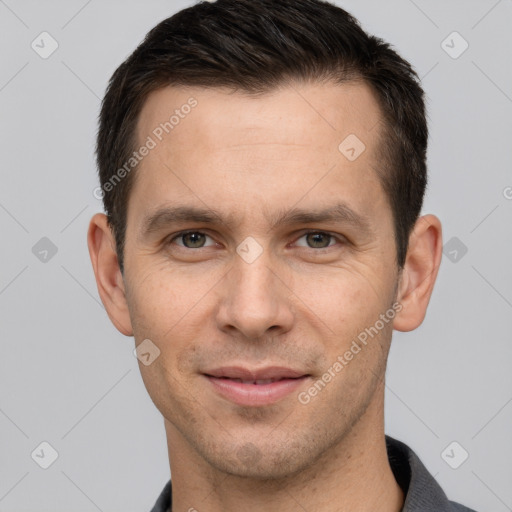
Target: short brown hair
255 46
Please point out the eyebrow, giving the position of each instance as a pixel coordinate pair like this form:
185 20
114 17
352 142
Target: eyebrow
168 215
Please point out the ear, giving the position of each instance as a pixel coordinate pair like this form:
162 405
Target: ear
419 273
108 275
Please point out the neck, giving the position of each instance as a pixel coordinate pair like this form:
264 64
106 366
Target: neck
353 475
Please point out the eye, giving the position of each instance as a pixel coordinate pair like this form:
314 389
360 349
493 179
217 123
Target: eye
317 240
191 239
198 240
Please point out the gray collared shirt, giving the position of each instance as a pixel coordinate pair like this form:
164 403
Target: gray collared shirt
421 490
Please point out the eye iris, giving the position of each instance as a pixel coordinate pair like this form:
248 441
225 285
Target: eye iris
315 240
196 239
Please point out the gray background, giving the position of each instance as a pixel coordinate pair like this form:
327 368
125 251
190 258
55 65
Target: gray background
70 379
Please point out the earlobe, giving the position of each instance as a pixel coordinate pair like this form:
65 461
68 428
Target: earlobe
109 279
419 273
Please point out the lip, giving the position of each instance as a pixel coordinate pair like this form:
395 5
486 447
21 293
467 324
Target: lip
226 381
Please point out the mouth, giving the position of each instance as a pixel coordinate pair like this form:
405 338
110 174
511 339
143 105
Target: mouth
255 387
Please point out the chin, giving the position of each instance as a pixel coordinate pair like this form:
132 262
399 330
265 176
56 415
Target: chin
265 463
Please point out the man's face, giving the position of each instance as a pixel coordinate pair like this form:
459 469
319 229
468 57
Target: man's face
255 295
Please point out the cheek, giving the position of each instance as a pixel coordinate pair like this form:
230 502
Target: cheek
344 308
342 298
164 303
164 308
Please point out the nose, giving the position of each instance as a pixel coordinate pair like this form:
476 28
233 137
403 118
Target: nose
255 300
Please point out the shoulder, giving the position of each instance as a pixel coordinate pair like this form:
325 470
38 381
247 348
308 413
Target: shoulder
164 501
457 507
422 491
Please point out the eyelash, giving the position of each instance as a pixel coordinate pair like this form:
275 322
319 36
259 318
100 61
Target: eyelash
316 232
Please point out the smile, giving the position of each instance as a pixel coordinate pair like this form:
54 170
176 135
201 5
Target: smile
255 388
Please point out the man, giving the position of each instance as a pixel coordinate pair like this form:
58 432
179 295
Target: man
262 166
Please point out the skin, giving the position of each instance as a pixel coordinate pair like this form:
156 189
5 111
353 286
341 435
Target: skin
298 305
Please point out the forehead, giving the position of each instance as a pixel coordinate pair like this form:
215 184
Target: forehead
215 146
307 111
